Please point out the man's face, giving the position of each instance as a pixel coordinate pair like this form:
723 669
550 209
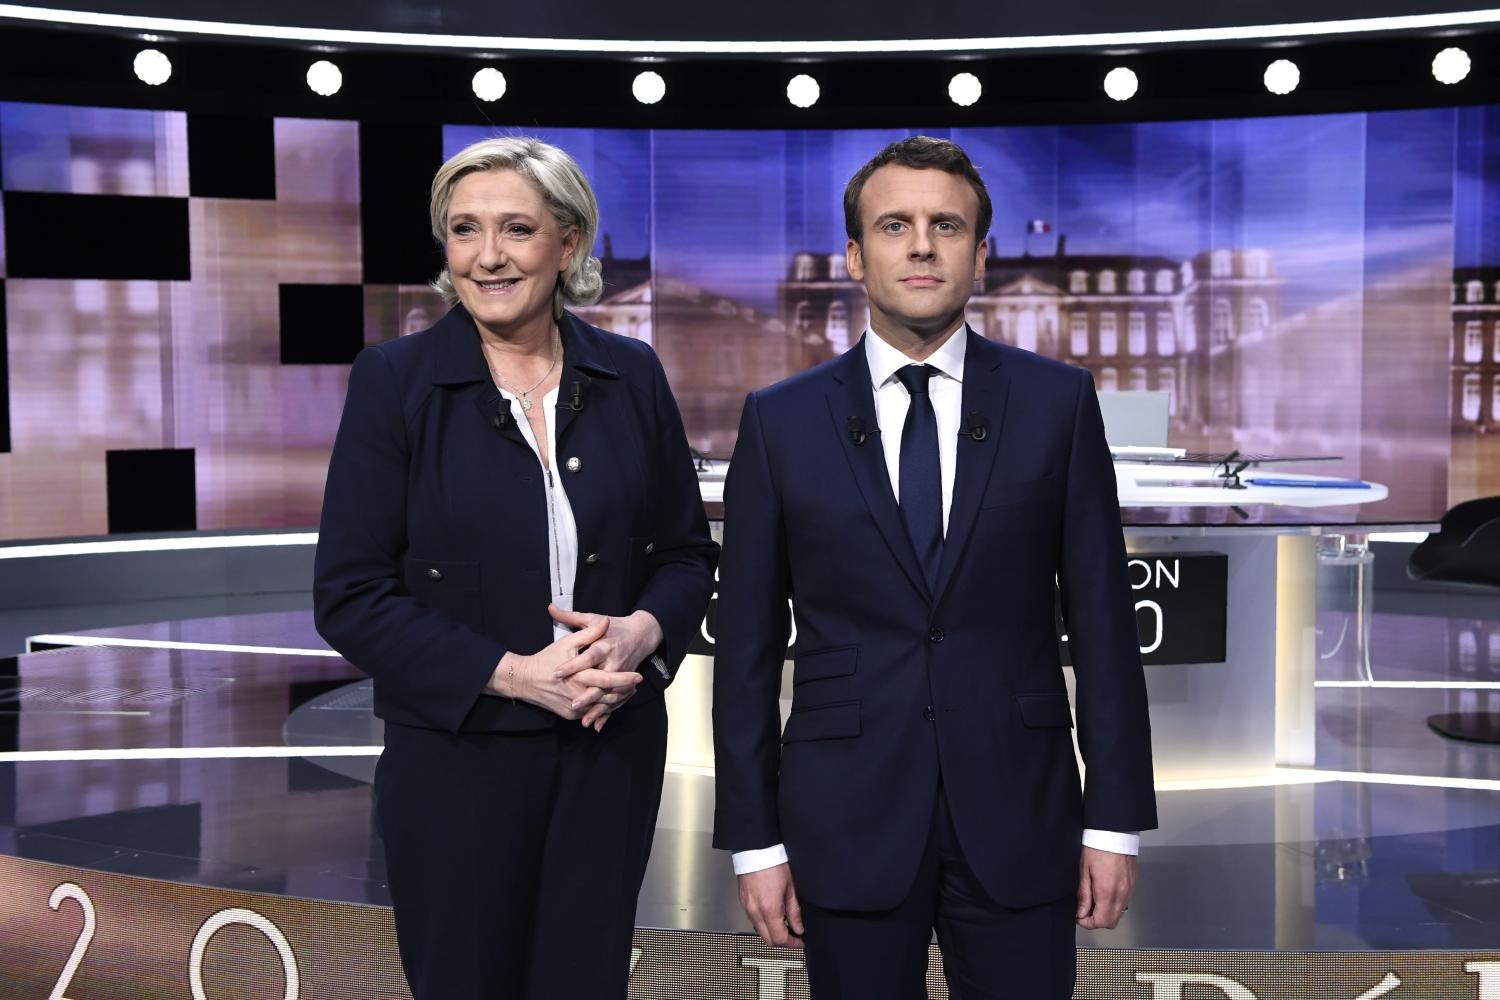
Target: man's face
918 257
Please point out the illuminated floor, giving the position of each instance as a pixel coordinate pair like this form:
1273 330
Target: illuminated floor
93 773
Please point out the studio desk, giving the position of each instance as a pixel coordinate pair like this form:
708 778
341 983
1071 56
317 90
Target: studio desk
1226 590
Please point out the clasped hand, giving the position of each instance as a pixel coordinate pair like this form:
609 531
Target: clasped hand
587 674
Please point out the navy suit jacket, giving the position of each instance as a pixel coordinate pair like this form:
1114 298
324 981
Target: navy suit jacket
432 556
895 684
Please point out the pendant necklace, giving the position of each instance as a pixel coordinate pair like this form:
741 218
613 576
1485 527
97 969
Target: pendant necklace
525 394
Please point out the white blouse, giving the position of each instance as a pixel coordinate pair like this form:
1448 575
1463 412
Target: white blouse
562 530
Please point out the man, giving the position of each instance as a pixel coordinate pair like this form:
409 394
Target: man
917 498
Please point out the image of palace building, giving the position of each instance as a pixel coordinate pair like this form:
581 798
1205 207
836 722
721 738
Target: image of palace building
1136 322
1474 351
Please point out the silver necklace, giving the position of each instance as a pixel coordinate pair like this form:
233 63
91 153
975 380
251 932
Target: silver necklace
525 394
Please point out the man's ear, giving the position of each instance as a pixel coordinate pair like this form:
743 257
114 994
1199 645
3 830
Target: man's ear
854 260
981 254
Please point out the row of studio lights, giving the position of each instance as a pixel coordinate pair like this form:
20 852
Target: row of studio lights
1449 66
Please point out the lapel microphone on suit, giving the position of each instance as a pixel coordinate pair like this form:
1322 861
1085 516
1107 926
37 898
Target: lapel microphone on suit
857 432
575 398
976 429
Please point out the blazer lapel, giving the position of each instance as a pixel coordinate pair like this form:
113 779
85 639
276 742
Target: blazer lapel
986 387
852 396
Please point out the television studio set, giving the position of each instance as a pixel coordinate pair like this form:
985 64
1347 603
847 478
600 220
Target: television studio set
667 500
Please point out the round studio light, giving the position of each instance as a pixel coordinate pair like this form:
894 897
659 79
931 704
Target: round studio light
1282 76
964 89
1451 65
153 67
324 78
802 90
648 87
1121 83
489 84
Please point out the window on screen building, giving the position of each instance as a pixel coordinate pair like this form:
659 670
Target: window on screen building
1078 334
1474 292
1471 399
1109 334
1136 282
1473 342
1078 282
1109 380
1166 381
1495 351
838 327
1137 333
1137 381
1106 282
1166 334
1164 282
1223 323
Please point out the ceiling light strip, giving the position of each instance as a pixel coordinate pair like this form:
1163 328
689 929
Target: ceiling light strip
182 544
186 753
609 46
211 647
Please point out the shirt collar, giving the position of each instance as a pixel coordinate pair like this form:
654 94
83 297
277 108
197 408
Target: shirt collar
883 359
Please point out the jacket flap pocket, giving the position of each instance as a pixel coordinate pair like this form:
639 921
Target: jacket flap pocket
823 722
819 664
1003 494
442 573
1039 710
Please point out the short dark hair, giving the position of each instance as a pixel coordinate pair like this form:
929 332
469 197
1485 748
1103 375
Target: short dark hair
920 152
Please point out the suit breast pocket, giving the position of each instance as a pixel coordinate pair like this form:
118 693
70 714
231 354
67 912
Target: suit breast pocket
1000 493
446 585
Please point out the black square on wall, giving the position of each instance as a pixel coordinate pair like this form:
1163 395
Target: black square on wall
106 236
321 324
396 165
231 157
151 489
4 379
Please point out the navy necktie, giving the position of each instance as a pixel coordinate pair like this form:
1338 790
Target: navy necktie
921 477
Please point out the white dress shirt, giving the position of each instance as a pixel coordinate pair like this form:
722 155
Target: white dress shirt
891 403
562 530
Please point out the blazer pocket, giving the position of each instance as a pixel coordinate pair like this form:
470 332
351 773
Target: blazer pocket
1042 710
430 575
642 554
1003 494
840 661
822 722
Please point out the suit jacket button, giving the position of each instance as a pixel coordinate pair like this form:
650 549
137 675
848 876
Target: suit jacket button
575 464
650 547
936 635
435 573
591 558
929 714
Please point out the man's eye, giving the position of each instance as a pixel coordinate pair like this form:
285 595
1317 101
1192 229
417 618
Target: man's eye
892 227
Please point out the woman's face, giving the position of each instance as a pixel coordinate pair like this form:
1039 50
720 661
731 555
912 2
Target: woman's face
505 250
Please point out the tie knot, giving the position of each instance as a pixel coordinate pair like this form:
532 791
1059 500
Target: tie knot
915 377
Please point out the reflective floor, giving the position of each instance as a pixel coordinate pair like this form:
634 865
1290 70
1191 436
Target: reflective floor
1346 857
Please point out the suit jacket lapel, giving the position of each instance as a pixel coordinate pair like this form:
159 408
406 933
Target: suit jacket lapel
852 395
986 386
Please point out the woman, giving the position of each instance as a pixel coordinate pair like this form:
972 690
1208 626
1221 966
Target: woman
514 547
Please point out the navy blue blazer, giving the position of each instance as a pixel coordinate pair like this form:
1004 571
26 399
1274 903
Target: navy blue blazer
894 684
432 556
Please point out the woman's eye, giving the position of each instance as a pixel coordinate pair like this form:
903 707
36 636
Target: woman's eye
517 232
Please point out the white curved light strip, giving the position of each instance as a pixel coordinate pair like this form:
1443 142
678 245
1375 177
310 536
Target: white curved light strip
186 753
348 36
190 543
211 647
1414 685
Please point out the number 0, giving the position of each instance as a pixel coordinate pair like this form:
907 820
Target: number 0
249 918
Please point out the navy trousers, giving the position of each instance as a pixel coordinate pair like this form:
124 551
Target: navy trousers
515 860
989 952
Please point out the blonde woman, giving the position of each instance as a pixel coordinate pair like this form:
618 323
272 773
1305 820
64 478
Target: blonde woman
514 547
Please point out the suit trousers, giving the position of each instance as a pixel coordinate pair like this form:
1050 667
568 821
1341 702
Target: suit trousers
989 951
515 859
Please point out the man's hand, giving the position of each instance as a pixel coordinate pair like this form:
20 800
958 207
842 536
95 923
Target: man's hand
770 901
1105 883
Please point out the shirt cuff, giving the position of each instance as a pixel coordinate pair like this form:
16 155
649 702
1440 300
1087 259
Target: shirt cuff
746 862
1115 843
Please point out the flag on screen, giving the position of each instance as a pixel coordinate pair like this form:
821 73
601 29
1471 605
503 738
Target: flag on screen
1038 226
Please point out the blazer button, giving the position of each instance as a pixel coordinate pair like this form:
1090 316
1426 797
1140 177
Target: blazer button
575 464
929 714
591 558
435 573
936 635
650 547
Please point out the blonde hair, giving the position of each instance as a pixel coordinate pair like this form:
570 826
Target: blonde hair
563 187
